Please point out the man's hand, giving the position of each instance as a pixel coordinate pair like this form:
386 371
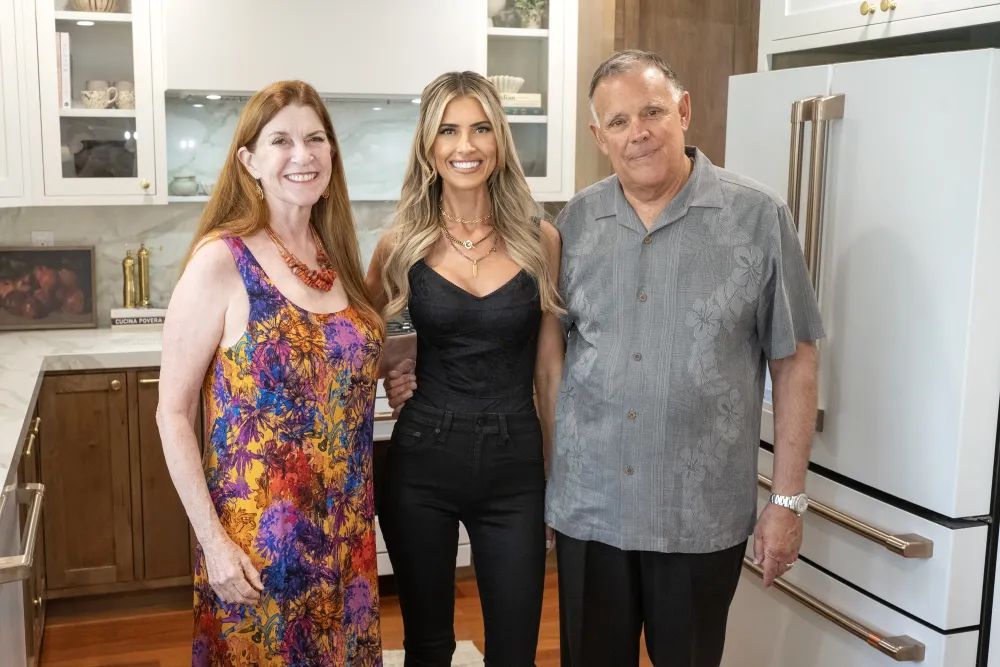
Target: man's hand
776 541
400 383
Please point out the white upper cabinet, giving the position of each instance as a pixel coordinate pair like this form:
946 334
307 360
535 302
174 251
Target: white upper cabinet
11 164
375 47
803 25
96 97
532 59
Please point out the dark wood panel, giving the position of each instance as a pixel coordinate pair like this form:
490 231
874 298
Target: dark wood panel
166 544
705 42
84 457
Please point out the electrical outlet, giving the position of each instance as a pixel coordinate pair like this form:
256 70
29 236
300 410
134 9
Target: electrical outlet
43 238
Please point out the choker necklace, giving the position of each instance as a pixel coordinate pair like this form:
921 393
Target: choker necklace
468 244
319 279
473 222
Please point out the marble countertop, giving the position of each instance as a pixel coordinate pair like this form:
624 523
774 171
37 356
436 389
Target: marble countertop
26 355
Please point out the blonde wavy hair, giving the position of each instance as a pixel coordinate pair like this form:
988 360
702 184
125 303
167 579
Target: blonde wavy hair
235 209
417 219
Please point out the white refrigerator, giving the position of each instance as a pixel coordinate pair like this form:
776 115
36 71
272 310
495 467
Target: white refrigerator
892 168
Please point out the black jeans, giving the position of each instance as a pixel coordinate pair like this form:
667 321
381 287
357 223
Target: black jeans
485 470
607 596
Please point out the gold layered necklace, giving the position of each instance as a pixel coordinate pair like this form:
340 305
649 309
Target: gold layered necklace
470 245
468 223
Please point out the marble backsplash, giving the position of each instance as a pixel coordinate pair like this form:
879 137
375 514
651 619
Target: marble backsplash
374 136
166 230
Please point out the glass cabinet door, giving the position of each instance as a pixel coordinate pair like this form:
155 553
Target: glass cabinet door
96 97
523 59
11 166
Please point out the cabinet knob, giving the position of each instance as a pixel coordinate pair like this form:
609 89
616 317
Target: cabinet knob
888 5
867 8
144 184
116 385
38 602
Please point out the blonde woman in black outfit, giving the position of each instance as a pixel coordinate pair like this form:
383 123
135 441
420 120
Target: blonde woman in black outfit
477 268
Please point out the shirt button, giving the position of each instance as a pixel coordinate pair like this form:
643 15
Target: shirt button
629 470
642 297
648 240
632 414
637 356
481 421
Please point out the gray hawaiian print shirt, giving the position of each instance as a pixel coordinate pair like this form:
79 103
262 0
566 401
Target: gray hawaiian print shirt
668 333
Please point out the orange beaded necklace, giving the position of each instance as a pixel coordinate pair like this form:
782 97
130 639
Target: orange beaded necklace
320 279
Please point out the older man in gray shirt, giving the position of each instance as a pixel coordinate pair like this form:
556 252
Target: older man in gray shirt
681 281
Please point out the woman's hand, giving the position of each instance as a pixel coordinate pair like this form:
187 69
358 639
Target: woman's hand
230 572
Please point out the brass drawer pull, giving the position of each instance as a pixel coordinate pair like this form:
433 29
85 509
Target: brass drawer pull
906 545
384 416
900 648
149 381
18 568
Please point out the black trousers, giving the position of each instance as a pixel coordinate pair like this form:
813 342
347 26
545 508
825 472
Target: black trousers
485 470
607 596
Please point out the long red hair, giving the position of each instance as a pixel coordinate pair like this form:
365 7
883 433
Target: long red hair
234 207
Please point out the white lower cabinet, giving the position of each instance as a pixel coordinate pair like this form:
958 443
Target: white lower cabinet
462 559
769 628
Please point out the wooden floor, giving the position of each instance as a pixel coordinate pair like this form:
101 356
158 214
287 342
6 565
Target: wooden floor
163 638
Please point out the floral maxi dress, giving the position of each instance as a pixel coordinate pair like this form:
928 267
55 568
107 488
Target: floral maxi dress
288 460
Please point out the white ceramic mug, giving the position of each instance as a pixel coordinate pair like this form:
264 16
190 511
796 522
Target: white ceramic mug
96 84
124 86
125 99
100 99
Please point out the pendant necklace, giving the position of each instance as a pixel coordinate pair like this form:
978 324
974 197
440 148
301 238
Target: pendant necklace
321 279
475 260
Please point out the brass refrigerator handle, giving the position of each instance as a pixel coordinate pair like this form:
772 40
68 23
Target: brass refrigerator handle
900 648
907 545
802 112
825 109
18 568
149 381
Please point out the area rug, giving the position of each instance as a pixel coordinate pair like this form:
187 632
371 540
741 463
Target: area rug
466 655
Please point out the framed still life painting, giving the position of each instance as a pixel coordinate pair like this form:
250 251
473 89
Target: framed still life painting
47 288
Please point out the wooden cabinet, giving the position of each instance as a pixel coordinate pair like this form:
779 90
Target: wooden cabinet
113 521
163 544
85 467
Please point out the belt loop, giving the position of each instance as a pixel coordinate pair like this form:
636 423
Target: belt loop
443 426
502 421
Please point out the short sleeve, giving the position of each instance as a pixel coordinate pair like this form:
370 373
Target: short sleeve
787 312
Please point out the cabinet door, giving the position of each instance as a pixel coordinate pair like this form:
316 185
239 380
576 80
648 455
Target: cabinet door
11 167
97 100
85 467
795 18
166 545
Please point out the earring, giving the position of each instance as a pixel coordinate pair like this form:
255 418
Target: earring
259 191
326 193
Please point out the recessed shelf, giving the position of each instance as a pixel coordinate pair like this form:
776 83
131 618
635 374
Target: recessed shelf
83 112
526 118
536 33
96 17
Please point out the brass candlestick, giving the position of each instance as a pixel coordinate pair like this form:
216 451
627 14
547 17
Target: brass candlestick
129 291
143 276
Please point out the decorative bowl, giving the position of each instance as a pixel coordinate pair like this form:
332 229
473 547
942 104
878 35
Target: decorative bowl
505 83
94 5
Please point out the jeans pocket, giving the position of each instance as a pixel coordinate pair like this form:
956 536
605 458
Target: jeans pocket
407 437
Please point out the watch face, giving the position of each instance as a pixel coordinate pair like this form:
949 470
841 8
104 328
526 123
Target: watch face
801 503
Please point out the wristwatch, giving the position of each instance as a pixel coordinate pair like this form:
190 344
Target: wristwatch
798 504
